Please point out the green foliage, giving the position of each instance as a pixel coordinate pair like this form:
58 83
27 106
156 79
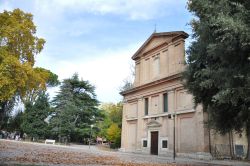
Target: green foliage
75 109
18 47
15 121
111 125
218 70
104 124
114 134
35 85
34 116
5 112
114 112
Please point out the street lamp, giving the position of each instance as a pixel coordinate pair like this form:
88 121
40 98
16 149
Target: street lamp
170 117
91 126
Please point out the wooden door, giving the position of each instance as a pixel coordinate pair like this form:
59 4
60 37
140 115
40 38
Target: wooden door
154 142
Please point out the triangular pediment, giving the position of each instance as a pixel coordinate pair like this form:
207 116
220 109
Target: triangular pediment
156 40
153 123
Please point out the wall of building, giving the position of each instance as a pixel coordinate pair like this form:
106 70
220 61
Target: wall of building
160 63
189 121
191 134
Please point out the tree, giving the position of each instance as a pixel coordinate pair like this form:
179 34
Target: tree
111 125
114 134
126 85
104 124
115 114
33 122
15 121
51 80
18 46
128 82
5 112
75 108
218 70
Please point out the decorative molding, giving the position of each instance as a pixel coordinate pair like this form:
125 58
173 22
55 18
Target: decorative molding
185 111
153 123
132 100
140 98
150 84
171 91
169 113
131 118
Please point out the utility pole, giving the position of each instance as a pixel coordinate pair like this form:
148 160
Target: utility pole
90 135
174 138
170 117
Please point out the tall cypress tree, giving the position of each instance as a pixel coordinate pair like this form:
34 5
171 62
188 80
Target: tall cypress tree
218 70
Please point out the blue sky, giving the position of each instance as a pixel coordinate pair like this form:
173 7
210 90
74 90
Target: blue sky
96 38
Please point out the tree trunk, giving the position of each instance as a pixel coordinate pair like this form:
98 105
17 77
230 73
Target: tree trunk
232 141
248 141
230 145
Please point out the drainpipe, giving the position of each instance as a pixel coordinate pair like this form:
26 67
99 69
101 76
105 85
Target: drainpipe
170 117
174 137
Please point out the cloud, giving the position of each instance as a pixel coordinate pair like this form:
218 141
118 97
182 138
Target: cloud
106 72
97 38
131 9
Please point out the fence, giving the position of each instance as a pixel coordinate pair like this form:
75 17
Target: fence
222 151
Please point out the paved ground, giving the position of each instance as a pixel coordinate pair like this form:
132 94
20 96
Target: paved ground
24 153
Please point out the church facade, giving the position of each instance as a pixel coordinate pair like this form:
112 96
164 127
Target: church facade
159 116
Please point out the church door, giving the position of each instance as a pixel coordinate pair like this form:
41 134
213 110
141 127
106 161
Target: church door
154 142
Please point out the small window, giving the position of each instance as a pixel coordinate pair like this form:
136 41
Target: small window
145 143
165 102
164 143
146 106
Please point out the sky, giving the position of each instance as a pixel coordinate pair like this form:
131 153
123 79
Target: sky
97 38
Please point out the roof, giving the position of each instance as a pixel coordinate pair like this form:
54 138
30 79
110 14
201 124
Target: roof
171 34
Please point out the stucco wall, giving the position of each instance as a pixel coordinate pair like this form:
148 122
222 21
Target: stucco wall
191 135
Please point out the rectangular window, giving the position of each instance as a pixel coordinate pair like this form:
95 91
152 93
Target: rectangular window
145 143
165 96
164 143
146 106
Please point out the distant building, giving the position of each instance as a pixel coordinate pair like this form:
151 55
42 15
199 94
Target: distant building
157 96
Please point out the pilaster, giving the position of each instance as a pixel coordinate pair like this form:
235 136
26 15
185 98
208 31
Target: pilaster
140 113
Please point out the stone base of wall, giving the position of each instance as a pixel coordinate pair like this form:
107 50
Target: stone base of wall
121 150
142 151
197 155
166 153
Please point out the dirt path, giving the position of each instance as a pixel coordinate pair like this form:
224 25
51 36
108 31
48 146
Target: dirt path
12 153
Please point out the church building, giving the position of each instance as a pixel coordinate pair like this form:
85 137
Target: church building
159 116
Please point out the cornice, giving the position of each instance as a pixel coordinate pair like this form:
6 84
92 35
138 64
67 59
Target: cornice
150 84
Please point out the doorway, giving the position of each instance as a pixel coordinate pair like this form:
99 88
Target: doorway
154 142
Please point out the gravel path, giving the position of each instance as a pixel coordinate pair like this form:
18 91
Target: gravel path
26 153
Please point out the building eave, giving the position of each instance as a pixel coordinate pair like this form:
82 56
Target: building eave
150 84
